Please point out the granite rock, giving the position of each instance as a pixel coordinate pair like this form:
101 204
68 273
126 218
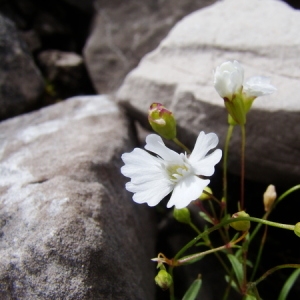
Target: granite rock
263 37
21 83
124 31
69 229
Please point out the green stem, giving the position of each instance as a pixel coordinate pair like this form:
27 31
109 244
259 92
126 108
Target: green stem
227 222
225 162
271 271
171 289
289 191
261 247
177 142
243 165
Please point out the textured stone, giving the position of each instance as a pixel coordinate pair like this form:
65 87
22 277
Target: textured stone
124 31
66 73
263 36
69 229
21 83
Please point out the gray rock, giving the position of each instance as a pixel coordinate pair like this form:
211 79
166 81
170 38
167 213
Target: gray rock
21 83
65 71
124 31
263 36
69 229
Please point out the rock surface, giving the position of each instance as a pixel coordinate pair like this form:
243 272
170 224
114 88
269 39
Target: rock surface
64 212
65 72
124 31
263 36
21 83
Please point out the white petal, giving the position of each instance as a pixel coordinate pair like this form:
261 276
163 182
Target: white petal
228 79
206 166
151 193
258 86
187 190
204 143
140 166
155 144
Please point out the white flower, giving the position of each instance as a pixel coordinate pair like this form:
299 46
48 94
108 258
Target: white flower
154 177
228 79
258 86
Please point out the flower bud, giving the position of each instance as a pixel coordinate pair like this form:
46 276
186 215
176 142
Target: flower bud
297 229
182 215
205 196
162 121
240 225
163 279
269 197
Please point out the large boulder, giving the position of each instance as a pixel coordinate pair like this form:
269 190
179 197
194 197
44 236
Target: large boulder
21 83
124 31
69 229
263 36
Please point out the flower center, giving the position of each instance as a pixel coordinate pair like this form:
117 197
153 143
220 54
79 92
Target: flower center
176 172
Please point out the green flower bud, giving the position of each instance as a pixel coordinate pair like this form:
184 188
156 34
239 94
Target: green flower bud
205 196
163 279
162 121
240 225
182 215
297 229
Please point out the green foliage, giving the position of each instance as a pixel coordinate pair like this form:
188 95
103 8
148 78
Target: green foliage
193 290
288 285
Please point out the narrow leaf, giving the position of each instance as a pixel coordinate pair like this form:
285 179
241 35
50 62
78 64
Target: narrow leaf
288 284
205 217
192 292
237 268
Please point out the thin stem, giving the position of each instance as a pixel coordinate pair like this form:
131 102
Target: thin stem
171 288
177 142
226 222
271 271
225 162
243 165
261 247
196 256
289 191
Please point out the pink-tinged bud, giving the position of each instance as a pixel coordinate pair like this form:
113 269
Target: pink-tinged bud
269 197
240 225
162 121
163 279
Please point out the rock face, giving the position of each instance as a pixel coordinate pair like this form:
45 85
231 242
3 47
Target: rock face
66 73
262 36
124 31
64 212
21 83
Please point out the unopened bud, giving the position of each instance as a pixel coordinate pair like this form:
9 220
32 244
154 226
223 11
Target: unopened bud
206 196
297 229
240 225
182 215
162 121
163 279
269 197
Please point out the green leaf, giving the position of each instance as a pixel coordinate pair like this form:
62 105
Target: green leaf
232 283
237 268
288 284
193 290
205 217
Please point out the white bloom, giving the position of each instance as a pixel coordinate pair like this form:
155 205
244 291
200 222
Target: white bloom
258 86
228 79
154 177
